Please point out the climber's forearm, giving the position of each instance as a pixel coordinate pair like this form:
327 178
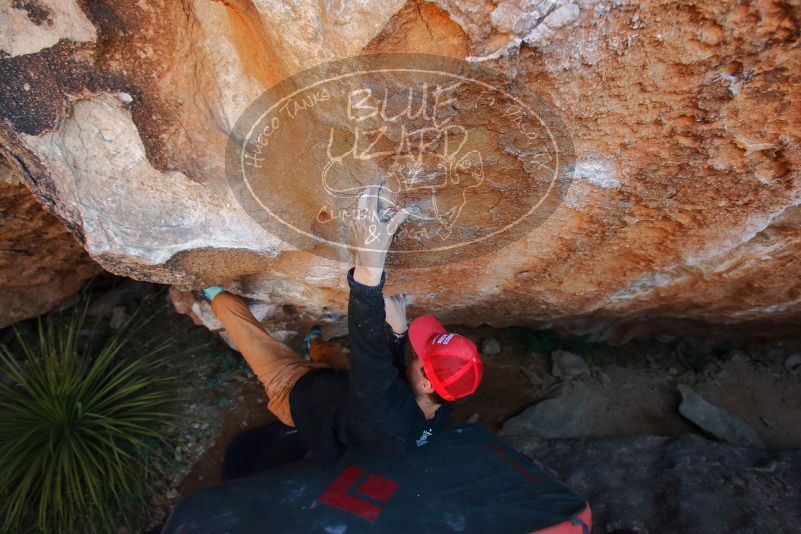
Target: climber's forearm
372 237
395 309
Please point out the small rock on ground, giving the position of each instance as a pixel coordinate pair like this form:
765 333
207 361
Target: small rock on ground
716 421
793 362
490 346
603 378
568 365
129 290
119 314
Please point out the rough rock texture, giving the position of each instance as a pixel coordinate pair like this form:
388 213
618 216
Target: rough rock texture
650 484
565 364
684 210
635 402
41 264
744 401
284 320
717 421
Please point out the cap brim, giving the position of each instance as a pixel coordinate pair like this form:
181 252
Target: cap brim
421 330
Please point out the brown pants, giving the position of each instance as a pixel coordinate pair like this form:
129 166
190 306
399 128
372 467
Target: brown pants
277 366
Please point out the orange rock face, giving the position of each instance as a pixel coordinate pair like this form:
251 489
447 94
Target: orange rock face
681 211
41 264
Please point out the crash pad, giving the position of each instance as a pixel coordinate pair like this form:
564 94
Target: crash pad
466 480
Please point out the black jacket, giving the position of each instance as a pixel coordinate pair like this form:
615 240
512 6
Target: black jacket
372 405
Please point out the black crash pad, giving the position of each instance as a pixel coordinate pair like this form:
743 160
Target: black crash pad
467 480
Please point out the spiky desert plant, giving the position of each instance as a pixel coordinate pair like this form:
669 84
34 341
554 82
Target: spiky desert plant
79 416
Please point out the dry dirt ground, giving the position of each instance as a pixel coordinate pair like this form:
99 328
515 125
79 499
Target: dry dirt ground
633 388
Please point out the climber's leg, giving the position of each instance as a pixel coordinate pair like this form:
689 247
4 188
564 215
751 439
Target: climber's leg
329 353
276 365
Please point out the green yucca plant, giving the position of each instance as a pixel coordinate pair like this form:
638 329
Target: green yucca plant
79 417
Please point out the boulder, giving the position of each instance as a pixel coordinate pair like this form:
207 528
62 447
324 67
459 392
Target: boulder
678 210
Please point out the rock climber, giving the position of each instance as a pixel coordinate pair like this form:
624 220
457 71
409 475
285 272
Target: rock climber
392 395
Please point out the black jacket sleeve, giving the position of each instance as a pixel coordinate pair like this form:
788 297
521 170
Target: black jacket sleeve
375 390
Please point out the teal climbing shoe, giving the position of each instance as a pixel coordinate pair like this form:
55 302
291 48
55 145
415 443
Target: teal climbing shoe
314 332
211 292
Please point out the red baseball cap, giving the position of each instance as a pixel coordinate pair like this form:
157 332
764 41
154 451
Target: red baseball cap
451 361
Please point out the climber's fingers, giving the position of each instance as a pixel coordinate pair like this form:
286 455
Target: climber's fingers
397 220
